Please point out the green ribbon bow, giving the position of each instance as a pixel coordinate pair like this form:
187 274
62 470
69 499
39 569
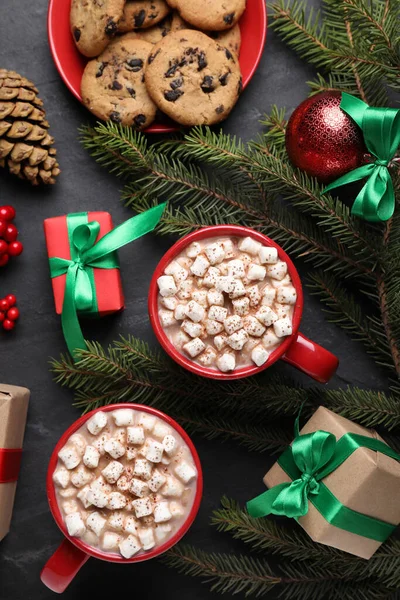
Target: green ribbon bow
381 130
307 462
86 255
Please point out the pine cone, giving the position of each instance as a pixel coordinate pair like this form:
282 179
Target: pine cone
25 144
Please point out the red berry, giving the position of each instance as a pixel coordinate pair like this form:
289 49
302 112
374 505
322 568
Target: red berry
15 248
4 305
13 313
8 325
7 213
11 233
2 317
11 299
4 258
3 226
3 247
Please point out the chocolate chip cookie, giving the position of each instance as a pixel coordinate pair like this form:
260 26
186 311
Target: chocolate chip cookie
230 38
94 23
192 78
213 15
153 35
140 14
113 85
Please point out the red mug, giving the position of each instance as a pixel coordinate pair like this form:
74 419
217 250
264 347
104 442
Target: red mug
296 349
72 553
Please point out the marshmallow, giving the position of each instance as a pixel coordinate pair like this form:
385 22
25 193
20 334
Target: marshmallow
200 266
184 261
172 488
131 525
111 540
79 442
193 250
193 329
200 296
216 298
217 313
246 259
250 246
120 435
116 521
167 318
213 327
238 339
82 496
220 341
61 477
259 355
68 492
225 284
270 339
75 525
69 507
277 271
166 285
229 248
226 362
146 538
81 477
208 357
283 327
238 289
161 512
170 445
211 277
131 453
232 324
70 457
101 484
185 289
268 255
195 312
156 481
97 423
91 457
176 509
286 295
143 507
99 443
241 306
250 344
123 483
282 310
170 303
268 295
253 326
194 347
178 272
185 471
165 460
129 546
223 268
161 532
285 281
236 268
143 468
116 501
153 451
113 471
215 253
266 315
147 422
254 295
180 312
114 448
97 498
96 522
256 272
161 430
136 435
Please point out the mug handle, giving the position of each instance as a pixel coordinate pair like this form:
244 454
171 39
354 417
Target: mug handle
62 567
312 359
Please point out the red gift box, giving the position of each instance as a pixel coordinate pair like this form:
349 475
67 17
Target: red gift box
108 282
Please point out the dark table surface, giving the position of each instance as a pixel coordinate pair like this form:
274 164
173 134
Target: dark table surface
83 185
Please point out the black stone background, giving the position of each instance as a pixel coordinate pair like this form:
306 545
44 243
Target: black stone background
228 469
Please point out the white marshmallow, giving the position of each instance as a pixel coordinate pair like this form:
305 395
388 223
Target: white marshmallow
143 507
136 435
208 357
99 443
232 324
185 471
253 326
162 532
69 492
249 245
285 281
256 272
236 269
156 481
147 421
97 498
116 521
165 460
211 277
143 468
79 442
101 484
161 430
81 477
246 259
282 310
169 303
82 496
114 448
194 347
254 295
69 507
116 501
178 272
217 313
120 435
229 248
200 296
220 341
268 255
170 445
111 540
286 295
195 312
241 306
268 295
146 538
97 423
96 522
213 327
113 471
153 451
250 344
161 512
70 457
131 525
238 289
131 453
166 285
238 339
216 298
225 284
283 327
180 312
123 483
167 318
270 339
193 250
61 477
75 525
185 289
266 315
193 329
91 457
215 253
226 362
259 355
277 271
172 488
223 268
176 509
200 266
129 546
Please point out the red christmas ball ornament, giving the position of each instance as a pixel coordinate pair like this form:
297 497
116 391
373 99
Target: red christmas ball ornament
15 248
8 324
322 140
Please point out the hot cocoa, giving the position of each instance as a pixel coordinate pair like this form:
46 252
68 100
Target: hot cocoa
125 482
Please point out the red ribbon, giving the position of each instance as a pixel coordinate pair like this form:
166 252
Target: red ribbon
10 462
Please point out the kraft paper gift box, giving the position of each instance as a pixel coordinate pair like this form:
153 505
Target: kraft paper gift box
13 410
367 482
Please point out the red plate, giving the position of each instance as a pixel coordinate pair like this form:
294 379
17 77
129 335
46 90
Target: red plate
71 64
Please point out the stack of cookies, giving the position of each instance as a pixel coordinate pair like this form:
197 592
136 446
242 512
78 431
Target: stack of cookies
179 57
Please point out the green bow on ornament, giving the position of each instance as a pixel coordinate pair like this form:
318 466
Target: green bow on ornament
86 255
309 459
381 130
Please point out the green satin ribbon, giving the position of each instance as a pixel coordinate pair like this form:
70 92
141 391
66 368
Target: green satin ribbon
307 462
381 130
86 255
